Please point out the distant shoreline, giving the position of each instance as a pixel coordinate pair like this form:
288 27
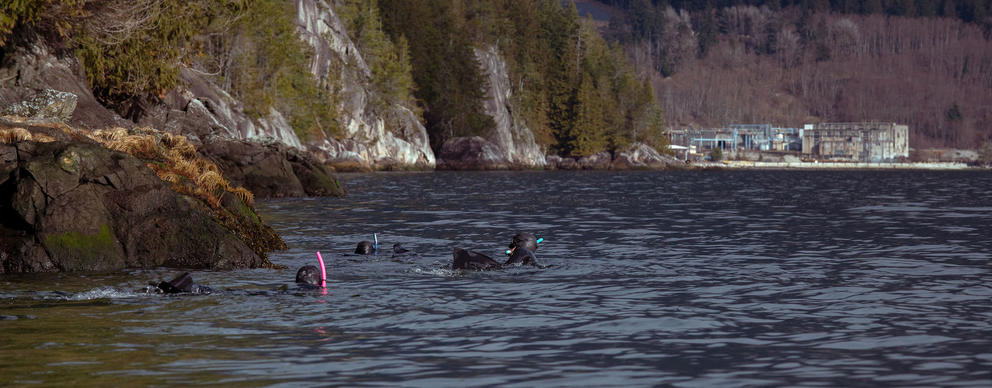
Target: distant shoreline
837 165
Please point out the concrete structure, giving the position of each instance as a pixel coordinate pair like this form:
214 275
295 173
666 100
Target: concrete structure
738 137
857 142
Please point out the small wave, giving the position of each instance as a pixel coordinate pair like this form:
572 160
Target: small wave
446 272
102 293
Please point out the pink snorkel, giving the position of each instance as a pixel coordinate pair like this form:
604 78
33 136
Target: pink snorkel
323 272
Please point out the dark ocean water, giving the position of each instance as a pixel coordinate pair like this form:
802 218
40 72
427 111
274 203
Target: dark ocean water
700 278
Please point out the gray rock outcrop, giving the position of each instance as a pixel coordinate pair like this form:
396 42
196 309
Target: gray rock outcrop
49 105
373 137
27 72
203 111
637 156
643 156
68 204
511 134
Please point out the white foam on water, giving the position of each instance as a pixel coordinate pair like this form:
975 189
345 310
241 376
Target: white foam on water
103 293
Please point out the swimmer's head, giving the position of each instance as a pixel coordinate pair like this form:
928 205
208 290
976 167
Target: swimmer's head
365 248
524 240
308 274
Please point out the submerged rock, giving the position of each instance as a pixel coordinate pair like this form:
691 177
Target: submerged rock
70 204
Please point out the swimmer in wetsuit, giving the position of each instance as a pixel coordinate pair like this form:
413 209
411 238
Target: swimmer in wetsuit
521 252
308 277
182 284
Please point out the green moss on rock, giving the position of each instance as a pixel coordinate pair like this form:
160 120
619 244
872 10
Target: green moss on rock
82 251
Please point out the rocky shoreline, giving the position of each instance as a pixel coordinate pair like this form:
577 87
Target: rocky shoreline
75 199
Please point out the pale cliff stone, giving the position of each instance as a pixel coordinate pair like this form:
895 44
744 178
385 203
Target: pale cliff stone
511 134
367 136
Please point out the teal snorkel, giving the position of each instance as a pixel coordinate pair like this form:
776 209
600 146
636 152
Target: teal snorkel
375 244
510 251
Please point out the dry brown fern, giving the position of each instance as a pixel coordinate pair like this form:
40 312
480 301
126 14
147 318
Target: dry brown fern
211 181
14 135
246 196
177 159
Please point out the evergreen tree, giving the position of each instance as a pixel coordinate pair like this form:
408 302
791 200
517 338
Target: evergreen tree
589 132
560 30
448 77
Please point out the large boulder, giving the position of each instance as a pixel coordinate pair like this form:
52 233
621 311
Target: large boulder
271 170
68 204
471 153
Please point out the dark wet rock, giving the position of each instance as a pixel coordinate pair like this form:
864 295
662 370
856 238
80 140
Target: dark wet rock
637 156
555 162
271 170
71 205
471 153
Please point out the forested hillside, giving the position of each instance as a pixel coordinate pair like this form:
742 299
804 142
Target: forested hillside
582 85
574 90
924 63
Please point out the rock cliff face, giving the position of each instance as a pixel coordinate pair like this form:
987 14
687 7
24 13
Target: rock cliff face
27 70
204 112
369 141
511 134
511 144
377 137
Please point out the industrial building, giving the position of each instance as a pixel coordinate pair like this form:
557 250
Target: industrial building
857 142
870 142
739 137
